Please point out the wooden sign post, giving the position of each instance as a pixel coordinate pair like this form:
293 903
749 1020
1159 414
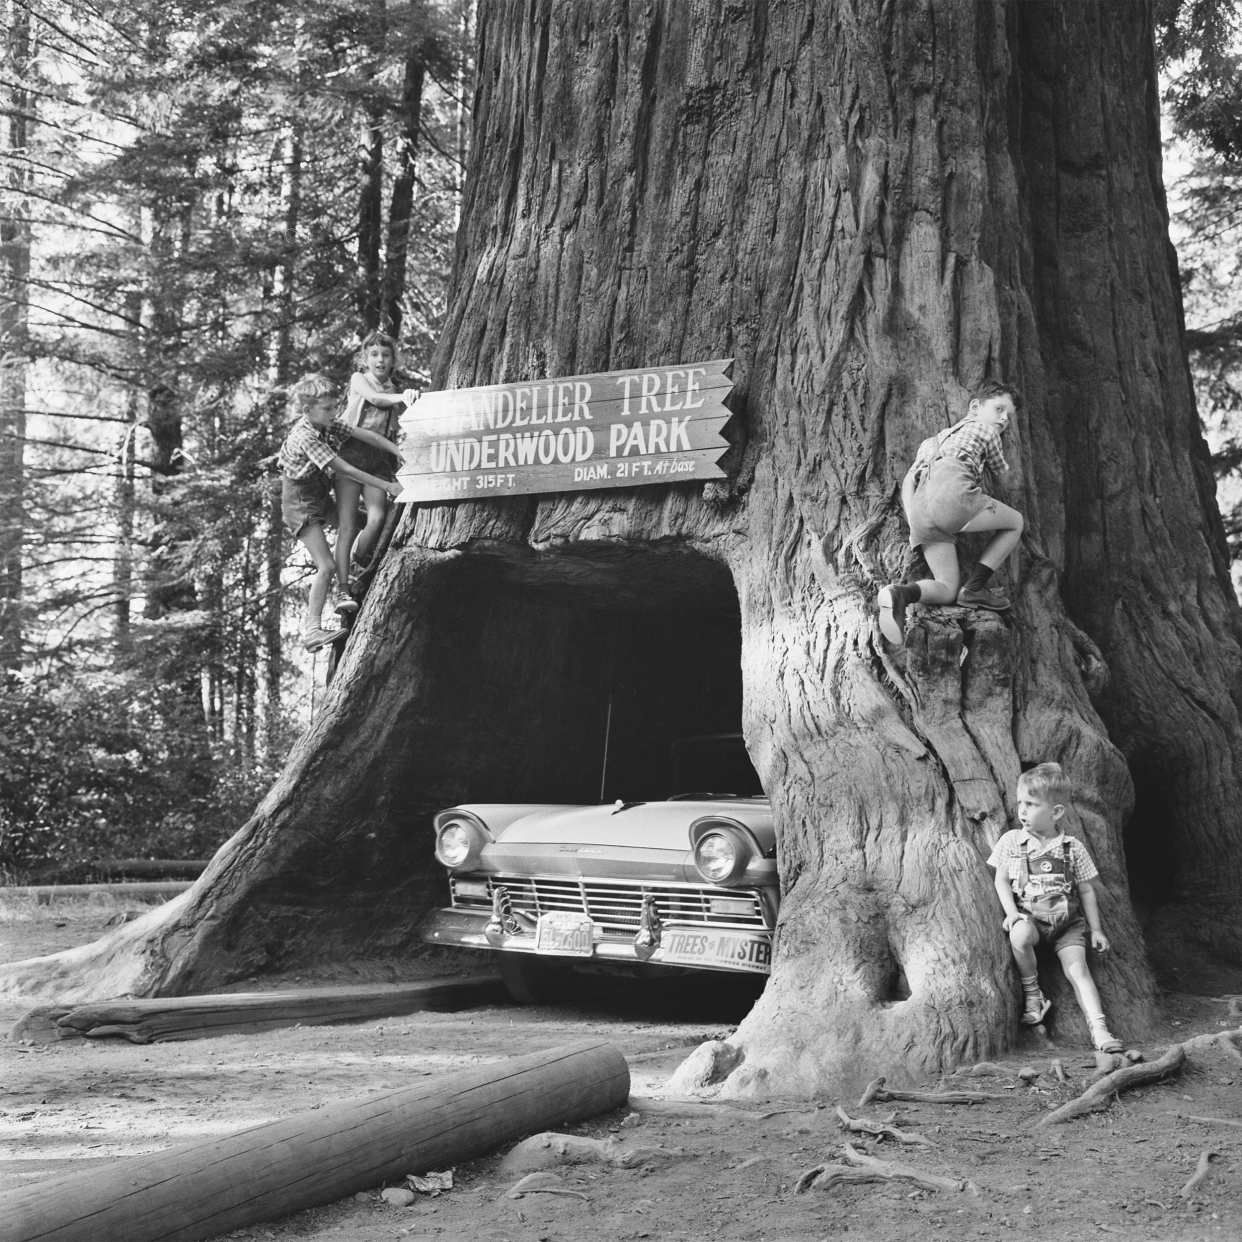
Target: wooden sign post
618 429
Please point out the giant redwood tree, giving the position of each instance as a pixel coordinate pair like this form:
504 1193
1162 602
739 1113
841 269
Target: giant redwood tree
871 205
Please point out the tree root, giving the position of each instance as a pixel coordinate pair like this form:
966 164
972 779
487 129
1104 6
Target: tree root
1105 1064
863 1168
550 1149
1100 1094
1201 1171
687 1108
876 1091
879 1129
984 1069
1214 1121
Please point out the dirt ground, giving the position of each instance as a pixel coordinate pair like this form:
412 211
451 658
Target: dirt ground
1117 1173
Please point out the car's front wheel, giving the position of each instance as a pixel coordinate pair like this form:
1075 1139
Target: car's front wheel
535 980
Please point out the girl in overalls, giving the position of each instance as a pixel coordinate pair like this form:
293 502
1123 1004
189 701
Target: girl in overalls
943 497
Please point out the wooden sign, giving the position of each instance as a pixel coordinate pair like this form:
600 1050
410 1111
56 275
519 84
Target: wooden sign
617 429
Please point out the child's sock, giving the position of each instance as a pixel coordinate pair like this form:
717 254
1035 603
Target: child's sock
1030 986
978 578
314 621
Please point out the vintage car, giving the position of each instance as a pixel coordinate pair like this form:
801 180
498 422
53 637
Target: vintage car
648 888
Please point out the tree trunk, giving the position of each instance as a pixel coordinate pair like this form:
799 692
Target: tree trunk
14 336
371 172
397 250
872 208
280 375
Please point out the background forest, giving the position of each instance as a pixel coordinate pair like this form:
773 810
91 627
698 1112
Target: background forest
201 202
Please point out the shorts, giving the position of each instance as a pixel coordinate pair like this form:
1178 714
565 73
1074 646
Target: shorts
369 458
1066 936
306 500
945 501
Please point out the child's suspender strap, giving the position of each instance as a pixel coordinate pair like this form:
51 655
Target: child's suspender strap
1024 867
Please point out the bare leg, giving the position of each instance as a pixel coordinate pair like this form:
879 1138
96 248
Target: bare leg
1008 524
1074 963
1023 937
347 493
942 589
316 543
946 578
376 500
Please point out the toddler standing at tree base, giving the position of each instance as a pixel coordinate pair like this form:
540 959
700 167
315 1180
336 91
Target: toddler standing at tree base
1046 883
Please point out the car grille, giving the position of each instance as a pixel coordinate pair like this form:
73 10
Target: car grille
615 908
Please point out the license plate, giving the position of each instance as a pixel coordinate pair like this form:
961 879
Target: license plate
567 935
728 950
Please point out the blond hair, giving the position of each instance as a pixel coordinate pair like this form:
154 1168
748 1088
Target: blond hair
1047 782
309 387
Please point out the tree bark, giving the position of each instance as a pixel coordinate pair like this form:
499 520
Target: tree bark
872 207
401 203
14 332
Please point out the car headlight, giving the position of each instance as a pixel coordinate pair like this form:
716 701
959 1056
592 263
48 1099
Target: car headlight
721 855
459 843
715 856
454 845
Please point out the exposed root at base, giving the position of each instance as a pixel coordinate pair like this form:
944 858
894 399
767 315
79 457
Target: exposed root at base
879 1129
1201 1171
1100 1094
877 1092
863 1168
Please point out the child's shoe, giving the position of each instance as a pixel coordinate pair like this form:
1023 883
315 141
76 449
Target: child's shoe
1103 1041
314 639
985 597
346 604
893 600
1035 1009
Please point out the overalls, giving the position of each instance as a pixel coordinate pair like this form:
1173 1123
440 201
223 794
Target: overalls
1049 911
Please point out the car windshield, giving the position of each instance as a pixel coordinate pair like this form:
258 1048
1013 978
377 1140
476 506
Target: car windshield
713 765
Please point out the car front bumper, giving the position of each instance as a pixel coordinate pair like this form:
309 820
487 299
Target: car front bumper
703 947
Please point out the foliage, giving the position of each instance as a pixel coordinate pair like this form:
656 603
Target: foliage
217 199
112 768
1201 45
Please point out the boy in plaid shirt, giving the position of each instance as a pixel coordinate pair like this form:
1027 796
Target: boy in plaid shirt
1046 882
943 497
310 450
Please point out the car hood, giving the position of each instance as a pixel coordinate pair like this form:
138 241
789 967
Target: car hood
643 825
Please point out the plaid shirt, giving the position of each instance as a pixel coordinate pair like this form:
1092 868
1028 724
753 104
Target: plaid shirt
1008 854
308 448
977 444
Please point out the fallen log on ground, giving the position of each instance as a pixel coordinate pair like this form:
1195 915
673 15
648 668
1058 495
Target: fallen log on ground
863 1168
197 1017
1100 1094
264 1172
876 1092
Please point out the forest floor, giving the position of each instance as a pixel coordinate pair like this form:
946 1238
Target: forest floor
1114 1174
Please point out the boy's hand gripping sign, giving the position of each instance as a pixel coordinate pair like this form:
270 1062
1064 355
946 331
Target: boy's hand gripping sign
618 429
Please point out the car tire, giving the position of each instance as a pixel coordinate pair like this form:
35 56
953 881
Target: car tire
535 980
